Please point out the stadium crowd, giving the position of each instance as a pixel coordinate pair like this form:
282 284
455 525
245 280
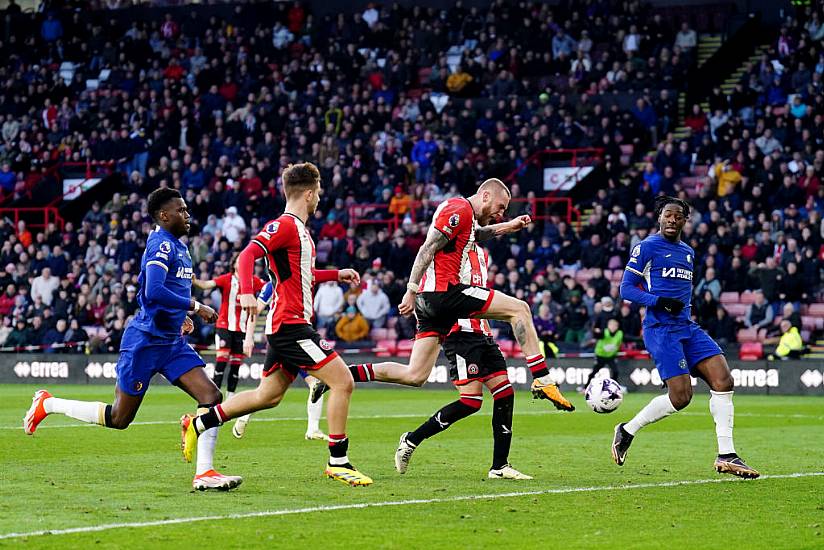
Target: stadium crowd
401 108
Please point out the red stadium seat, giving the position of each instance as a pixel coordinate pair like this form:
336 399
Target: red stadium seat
404 348
816 309
747 335
729 298
379 334
736 310
751 351
748 297
811 322
388 347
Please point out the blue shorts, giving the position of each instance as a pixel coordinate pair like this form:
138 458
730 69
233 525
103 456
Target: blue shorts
143 355
677 349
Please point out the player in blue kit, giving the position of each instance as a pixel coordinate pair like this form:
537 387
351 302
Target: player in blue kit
659 276
154 341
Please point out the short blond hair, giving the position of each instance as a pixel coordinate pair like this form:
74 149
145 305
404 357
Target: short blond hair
494 182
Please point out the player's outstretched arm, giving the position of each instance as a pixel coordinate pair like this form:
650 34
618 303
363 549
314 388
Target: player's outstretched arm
495 230
203 285
435 240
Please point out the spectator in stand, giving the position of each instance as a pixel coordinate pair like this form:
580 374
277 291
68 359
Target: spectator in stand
790 313
759 313
790 344
710 284
55 336
630 323
234 226
43 286
547 330
374 305
686 39
332 229
20 336
328 304
574 318
423 155
768 275
400 202
722 328
352 327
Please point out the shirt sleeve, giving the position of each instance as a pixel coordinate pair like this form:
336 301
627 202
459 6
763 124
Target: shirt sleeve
159 252
156 290
276 234
635 276
454 218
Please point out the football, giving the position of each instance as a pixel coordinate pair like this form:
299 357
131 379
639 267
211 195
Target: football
604 395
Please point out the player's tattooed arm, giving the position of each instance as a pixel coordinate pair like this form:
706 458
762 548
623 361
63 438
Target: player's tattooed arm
435 241
495 230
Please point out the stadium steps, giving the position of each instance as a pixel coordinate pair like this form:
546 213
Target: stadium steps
729 84
708 44
816 350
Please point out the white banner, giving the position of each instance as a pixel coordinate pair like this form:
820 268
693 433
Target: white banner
564 178
73 187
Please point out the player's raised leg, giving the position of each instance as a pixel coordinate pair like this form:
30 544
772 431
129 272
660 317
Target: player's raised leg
517 313
117 416
135 368
716 373
424 354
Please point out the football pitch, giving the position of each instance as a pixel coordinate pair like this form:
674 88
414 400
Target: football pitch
74 486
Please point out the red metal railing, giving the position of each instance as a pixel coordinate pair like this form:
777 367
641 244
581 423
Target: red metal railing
540 209
33 215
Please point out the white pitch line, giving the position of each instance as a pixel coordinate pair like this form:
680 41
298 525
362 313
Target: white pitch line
357 506
409 415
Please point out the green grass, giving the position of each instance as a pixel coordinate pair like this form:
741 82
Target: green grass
66 477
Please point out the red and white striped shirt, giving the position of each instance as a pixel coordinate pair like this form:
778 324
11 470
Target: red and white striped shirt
474 273
289 253
456 220
231 316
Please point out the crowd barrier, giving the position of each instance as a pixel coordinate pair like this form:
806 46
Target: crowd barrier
803 377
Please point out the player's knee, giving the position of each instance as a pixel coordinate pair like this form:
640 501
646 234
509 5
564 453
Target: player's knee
346 385
266 401
680 398
472 403
723 384
418 378
212 397
520 311
119 421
